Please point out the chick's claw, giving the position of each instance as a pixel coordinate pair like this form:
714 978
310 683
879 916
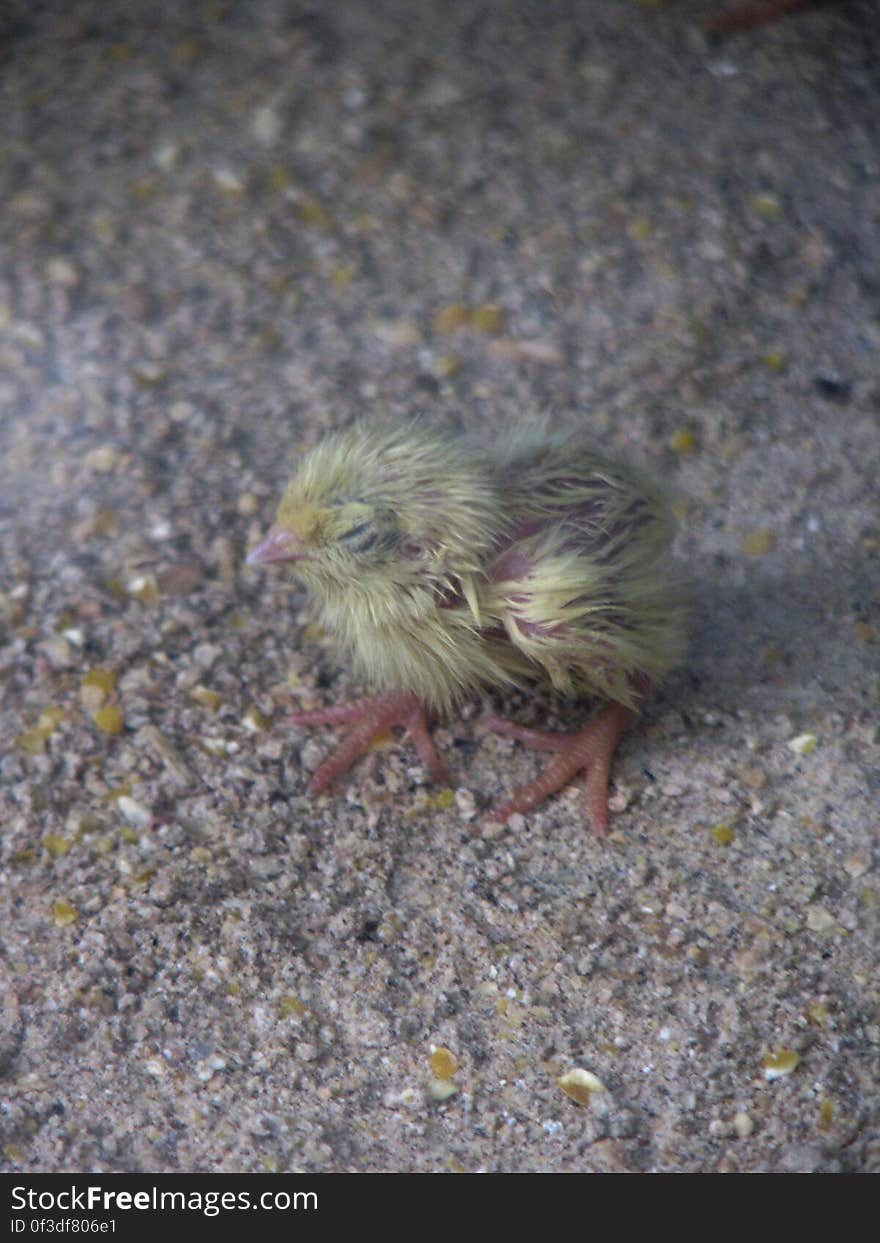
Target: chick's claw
590 749
369 719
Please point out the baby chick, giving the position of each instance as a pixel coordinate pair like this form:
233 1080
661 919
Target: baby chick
442 567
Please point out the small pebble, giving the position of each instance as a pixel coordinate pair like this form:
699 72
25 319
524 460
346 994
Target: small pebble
779 1063
132 811
466 803
803 744
580 1085
441 1090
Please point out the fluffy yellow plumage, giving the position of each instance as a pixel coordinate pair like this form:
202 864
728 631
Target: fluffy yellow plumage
442 567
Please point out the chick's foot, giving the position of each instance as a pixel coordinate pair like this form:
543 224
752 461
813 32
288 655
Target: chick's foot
591 748
369 719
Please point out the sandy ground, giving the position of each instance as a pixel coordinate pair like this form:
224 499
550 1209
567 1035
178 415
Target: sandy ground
224 233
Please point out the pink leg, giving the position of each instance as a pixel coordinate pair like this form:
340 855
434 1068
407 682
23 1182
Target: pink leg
592 748
369 719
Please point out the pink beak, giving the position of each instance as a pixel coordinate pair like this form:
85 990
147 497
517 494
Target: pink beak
278 545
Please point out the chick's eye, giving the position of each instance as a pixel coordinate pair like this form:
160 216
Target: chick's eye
360 537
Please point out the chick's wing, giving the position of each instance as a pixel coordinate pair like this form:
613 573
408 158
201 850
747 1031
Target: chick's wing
580 587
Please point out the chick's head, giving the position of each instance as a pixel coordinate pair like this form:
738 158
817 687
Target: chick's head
378 510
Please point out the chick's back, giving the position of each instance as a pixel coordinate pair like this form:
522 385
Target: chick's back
581 583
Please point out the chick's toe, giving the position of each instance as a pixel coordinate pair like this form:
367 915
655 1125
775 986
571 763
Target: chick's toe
591 748
369 719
